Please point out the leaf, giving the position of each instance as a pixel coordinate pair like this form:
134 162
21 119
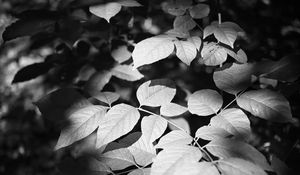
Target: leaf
185 51
143 151
107 97
97 82
213 54
32 71
237 166
173 9
174 138
121 54
199 11
129 3
179 122
279 166
266 104
235 78
152 50
156 92
118 121
229 148
144 171
117 159
126 72
170 160
207 168
106 11
241 56
80 124
234 121
153 127
179 34
196 41
172 109
211 133
225 32
184 23
205 102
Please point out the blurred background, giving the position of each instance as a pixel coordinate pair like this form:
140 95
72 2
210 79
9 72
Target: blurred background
78 38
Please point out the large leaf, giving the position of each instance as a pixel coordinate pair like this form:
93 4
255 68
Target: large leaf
266 104
174 138
235 78
97 82
211 133
199 11
174 159
156 92
205 102
153 127
172 109
152 50
106 11
118 121
184 23
107 97
32 71
237 166
234 121
185 51
126 72
213 54
208 168
80 124
228 148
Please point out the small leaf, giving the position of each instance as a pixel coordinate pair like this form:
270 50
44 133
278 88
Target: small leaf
199 11
228 148
173 9
144 171
184 23
97 82
172 109
107 97
205 102
266 104
31 71
153 127
121 54
237 166
179 34
174 138
156 92
241 56
279 166
118 121
235 78
208 168
170 160
196 41
179 122
211 133
152 50
129 3
234 121
185 51
80 124
126 72
106 11
213 54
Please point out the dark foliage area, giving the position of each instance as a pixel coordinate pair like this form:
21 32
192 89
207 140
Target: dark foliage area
52 44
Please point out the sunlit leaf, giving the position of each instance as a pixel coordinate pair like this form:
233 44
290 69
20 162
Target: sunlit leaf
118 121
170 160
174 138
144 171
126 72
80 124
207 168
228 148
121 54
235 78
213 54
199 11
152 50
106 11
172 109
196 41
266 104
185 51
205 102
211 133
234 121
156 92
181 123
107 97
153 127
237 166
184 23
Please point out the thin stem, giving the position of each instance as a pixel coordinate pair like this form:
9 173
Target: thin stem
219 18
236 97
149 112
205 152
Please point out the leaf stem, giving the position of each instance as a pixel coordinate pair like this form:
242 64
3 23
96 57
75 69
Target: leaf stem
236 97
219 18
203 150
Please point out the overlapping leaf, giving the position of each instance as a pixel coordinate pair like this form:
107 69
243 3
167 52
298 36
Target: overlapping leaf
184 23
207 168
153 127
196 40
174 138
126 72
211 133
121 54
172 109
179 123
205 102
144 171
213 54
266 104
185 51
107 97
97 82
199 11
118 121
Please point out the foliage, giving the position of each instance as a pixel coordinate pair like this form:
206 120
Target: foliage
144 130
